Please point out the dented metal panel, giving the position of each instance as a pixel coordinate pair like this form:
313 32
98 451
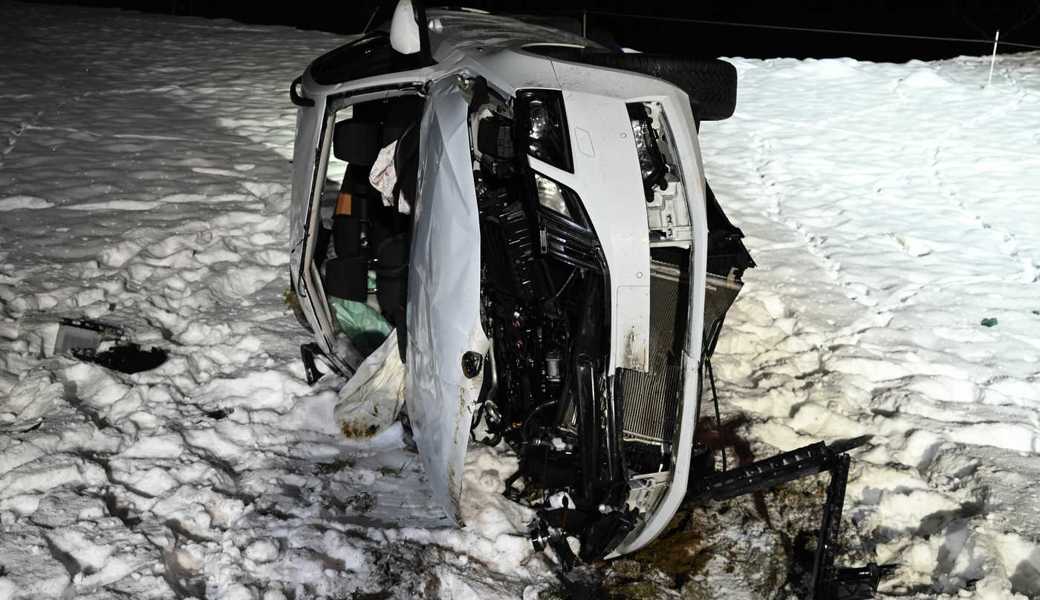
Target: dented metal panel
444 296
631 326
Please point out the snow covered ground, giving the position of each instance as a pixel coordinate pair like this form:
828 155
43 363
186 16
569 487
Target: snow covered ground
144 180
892 208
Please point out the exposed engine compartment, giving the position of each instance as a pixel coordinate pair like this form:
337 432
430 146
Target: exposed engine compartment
595 447
544 283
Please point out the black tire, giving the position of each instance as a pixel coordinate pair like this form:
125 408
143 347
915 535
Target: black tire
710 83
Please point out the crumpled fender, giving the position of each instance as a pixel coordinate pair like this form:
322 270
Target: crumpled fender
444 296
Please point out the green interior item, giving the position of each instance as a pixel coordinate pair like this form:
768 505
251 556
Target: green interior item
361 323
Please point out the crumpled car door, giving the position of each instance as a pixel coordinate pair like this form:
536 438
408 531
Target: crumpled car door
444 296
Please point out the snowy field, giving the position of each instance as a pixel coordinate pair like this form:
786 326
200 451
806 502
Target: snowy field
144 168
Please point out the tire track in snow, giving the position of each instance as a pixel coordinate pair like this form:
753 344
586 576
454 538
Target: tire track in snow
1004 240
918 465
763 164
921 382
771 362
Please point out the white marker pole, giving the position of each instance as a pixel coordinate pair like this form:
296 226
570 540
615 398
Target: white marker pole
993 59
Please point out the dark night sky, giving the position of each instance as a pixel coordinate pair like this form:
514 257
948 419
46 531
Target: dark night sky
1019 21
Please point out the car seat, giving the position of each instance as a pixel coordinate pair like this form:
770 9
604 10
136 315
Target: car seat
366 233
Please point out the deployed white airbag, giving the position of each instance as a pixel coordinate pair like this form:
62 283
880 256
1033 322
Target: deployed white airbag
383 177
371 399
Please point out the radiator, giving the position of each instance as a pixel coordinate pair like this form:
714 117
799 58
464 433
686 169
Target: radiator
650 399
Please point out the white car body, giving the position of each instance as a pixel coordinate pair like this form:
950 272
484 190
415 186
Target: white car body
444 316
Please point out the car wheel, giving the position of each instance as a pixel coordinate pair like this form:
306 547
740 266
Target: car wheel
710 83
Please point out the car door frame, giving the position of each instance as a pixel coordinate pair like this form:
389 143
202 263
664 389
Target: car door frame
319 103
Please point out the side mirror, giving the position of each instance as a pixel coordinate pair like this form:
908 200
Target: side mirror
406 32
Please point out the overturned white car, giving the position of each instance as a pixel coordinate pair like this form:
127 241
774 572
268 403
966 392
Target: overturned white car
527 211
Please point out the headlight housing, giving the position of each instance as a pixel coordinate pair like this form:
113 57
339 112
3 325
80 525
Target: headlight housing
556 202
667 209
651 163
551 195
543 127
561 226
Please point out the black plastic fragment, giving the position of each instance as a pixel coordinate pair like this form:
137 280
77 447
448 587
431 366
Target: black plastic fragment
857 583
83 337
218 413
125 358
307 354
472 362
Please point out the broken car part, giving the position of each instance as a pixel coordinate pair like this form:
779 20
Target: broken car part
83 338
80 334
827 582
126 358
